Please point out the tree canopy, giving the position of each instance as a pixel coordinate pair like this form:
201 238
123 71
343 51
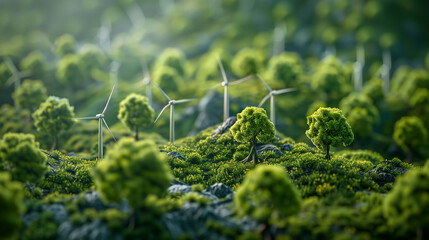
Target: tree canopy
30 94
410 134
11 196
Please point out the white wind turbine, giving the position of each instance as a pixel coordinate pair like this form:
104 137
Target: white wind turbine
147 81
103 35
271 95
279 38
385 70
101 120
170 104
358 68
226 85
16 75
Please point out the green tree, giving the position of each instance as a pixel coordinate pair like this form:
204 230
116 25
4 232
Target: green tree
247 61
355 100
285 68
328 127
406 206
65 44
419 103
53 116
35 64
20 155
91 57
30 94
70 72
330 81
410 134
132 170
374 90
168 80
135 112
267 195
11 197
253 126
174 59
361 122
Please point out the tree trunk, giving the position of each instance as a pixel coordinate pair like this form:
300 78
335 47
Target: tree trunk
265 231
137 134
253 155
54 145
327 153
420 234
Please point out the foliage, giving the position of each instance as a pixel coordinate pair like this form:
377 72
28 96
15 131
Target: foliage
410 133
132 170
14 120
53 115
70 72
44 227
330 81
30 94
360 121
407 205
168 80
253 126
328 127
285 68
20 155
267 195
374 90
359 101
11 197
174 59
35 63
91 57
135 112
65 44
246 62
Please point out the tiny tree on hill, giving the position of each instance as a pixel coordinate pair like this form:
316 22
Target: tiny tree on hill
247 61
252 126
267 195
65 44
410 134
135 112
53 115
174 59
20 155
11 197
132 170
30 94
34 63
285 68
406 207
329 127
69 71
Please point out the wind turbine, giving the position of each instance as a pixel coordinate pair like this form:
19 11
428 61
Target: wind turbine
104 36
279 37
226 85
101 120
385 70
271 95
147 81
16 75
358 68
170 104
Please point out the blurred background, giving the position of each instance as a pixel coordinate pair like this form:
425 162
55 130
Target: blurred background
79 49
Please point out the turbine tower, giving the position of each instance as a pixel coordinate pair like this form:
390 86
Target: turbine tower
385 70
226 85
147 81
101 120
16 75
358 68
170 104
271 95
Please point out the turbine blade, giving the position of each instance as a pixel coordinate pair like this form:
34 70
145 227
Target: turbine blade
217 85
166 106
222 70
262 80
162 91
264 100
24 74
184 100
86 118
286 90
11 66
108 100
10 80
241 80
109 129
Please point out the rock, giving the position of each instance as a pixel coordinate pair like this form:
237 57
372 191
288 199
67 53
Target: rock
177 182
224 127
176 155
182 189
209 111
219 190
58 210
380 176
268 147
286 147
94 230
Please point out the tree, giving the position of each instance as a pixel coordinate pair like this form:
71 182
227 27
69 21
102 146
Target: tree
135 112
11 197
361 122
331 82
30 94
406 206
246 62
419 103
267 195
53 115
252 126
328 127
168 80
132 170
374 90
69 71
285 68
35 64
65 44
20 155
355 100
174 59
410 134
91 57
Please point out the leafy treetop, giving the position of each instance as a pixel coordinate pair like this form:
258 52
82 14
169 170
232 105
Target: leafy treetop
247 61
410 133
11 197
30 94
